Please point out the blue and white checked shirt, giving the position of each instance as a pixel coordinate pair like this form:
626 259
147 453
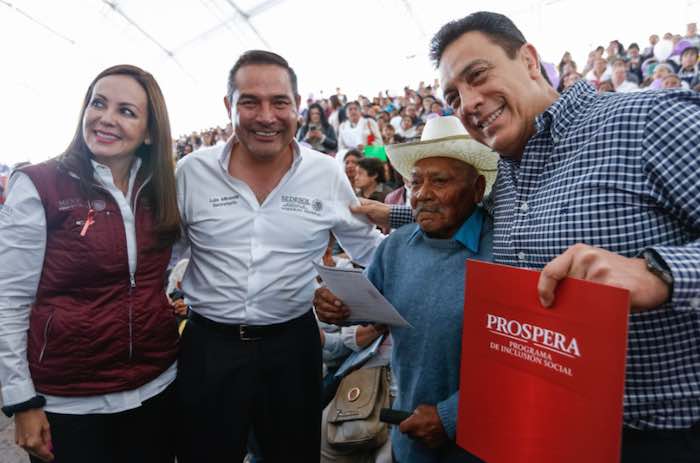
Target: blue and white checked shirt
620 172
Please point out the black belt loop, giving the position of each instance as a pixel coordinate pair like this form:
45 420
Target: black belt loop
248 333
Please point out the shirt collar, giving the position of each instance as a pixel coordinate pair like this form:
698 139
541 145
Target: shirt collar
103 174
559 116
469 234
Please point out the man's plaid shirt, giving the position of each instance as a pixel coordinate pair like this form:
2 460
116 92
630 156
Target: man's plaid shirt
620 172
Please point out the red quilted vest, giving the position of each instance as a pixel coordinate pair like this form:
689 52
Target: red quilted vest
93 328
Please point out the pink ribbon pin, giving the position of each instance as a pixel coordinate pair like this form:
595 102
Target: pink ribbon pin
89 220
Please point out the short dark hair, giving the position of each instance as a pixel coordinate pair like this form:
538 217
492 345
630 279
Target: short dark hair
690 49
260 57
497 27
353 152
374 168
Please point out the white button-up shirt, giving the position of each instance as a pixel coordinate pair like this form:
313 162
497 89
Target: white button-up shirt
250 262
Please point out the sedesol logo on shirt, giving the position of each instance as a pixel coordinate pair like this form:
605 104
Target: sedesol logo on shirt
291 203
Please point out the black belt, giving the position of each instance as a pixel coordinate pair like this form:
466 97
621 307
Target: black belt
249 332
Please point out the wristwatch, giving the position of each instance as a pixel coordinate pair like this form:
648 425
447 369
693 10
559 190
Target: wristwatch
657 266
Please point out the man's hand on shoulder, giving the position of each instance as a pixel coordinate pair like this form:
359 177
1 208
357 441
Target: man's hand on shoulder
647 290
329 308
376 212
425 426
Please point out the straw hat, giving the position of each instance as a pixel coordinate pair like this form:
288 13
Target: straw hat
445 137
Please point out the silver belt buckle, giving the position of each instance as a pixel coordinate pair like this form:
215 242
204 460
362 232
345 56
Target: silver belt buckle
243 334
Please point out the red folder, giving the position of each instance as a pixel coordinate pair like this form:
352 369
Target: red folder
541 385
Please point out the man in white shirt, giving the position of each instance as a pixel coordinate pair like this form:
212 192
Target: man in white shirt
619 78
691 34
255 213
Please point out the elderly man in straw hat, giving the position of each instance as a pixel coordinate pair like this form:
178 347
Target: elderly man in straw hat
420 270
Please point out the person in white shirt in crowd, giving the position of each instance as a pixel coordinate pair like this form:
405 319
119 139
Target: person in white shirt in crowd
357 131
88 340
691 34
599 73
255 214
619 78
407 130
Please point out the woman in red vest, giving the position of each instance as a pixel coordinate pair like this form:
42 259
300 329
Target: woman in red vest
88 341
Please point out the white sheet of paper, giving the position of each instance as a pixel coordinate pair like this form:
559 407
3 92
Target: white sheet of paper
366 303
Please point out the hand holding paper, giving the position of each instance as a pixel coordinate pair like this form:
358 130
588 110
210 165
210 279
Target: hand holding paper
329 308
363 302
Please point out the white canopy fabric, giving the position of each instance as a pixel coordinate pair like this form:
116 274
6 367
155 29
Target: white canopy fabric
51 49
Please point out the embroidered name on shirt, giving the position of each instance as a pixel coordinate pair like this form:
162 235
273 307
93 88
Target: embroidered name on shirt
70 203
221 201
291 203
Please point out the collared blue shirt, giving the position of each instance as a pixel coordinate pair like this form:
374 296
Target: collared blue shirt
468 234
423 278
620 172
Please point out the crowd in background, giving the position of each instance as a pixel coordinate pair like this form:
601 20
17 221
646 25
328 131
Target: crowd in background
326 124
671 62
355 131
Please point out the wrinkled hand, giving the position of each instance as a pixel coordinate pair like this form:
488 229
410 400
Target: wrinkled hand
647 291
376 212
179 308
328 307
425 426
32 433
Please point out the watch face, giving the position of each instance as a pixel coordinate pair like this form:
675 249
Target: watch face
657 267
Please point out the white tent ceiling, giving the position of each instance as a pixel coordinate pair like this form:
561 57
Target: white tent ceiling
51 49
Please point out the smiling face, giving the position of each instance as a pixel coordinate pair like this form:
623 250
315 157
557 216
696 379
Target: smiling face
115 120
263 110
444 192
496 97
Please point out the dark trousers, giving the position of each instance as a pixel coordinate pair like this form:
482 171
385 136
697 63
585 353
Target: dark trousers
226 386
673 446
142 435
